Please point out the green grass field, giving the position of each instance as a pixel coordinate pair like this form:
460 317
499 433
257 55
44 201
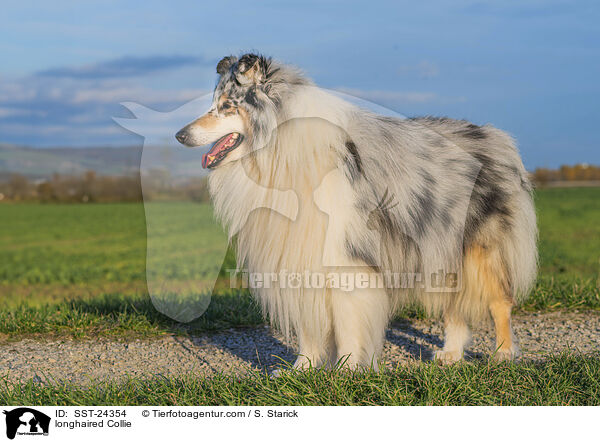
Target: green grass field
562 380
79 271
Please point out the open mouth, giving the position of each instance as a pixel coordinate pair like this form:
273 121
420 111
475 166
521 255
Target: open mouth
220 149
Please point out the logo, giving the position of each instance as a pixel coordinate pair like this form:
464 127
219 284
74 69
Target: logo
26 421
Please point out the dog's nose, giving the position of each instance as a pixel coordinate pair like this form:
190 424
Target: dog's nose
181 136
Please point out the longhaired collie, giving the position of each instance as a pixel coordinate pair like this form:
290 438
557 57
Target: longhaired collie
432 211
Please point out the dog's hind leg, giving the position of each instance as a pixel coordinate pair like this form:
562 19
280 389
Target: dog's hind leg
489 283
506 345
360 318
496 283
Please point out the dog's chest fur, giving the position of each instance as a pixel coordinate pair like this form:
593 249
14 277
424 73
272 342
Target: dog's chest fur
250 196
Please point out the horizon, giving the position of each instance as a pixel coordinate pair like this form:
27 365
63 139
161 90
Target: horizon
529 68
140 148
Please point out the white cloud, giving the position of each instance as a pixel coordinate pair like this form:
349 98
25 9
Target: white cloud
15 112
68 110
54 111
16 91
60 129
116 94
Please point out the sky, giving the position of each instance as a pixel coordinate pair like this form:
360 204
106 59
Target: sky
528 67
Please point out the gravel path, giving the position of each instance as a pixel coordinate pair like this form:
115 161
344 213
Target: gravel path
257 348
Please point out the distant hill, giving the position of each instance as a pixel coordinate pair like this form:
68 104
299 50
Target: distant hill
39 163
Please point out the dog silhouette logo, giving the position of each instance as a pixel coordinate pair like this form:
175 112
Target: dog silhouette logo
26 421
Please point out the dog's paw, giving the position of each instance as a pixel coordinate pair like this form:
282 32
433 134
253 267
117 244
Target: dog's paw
447 357
507 354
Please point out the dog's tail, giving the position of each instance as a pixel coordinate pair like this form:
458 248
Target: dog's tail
520 249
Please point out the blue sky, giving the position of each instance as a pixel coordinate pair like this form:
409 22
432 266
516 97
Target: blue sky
528 67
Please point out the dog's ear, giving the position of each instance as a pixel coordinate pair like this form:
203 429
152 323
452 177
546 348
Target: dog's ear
224 65
250 69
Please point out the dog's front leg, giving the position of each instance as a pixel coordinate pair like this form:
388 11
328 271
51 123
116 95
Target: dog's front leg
360 318
317 347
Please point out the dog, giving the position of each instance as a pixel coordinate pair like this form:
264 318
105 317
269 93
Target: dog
378 196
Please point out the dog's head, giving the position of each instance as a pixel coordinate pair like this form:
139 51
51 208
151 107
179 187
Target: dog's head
242 114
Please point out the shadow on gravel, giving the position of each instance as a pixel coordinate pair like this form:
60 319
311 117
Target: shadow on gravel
262 350
419 344
416 342
233 325
257 347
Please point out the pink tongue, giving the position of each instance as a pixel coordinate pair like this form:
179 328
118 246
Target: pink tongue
206 161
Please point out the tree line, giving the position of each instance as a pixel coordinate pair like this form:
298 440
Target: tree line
90 187
579 172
